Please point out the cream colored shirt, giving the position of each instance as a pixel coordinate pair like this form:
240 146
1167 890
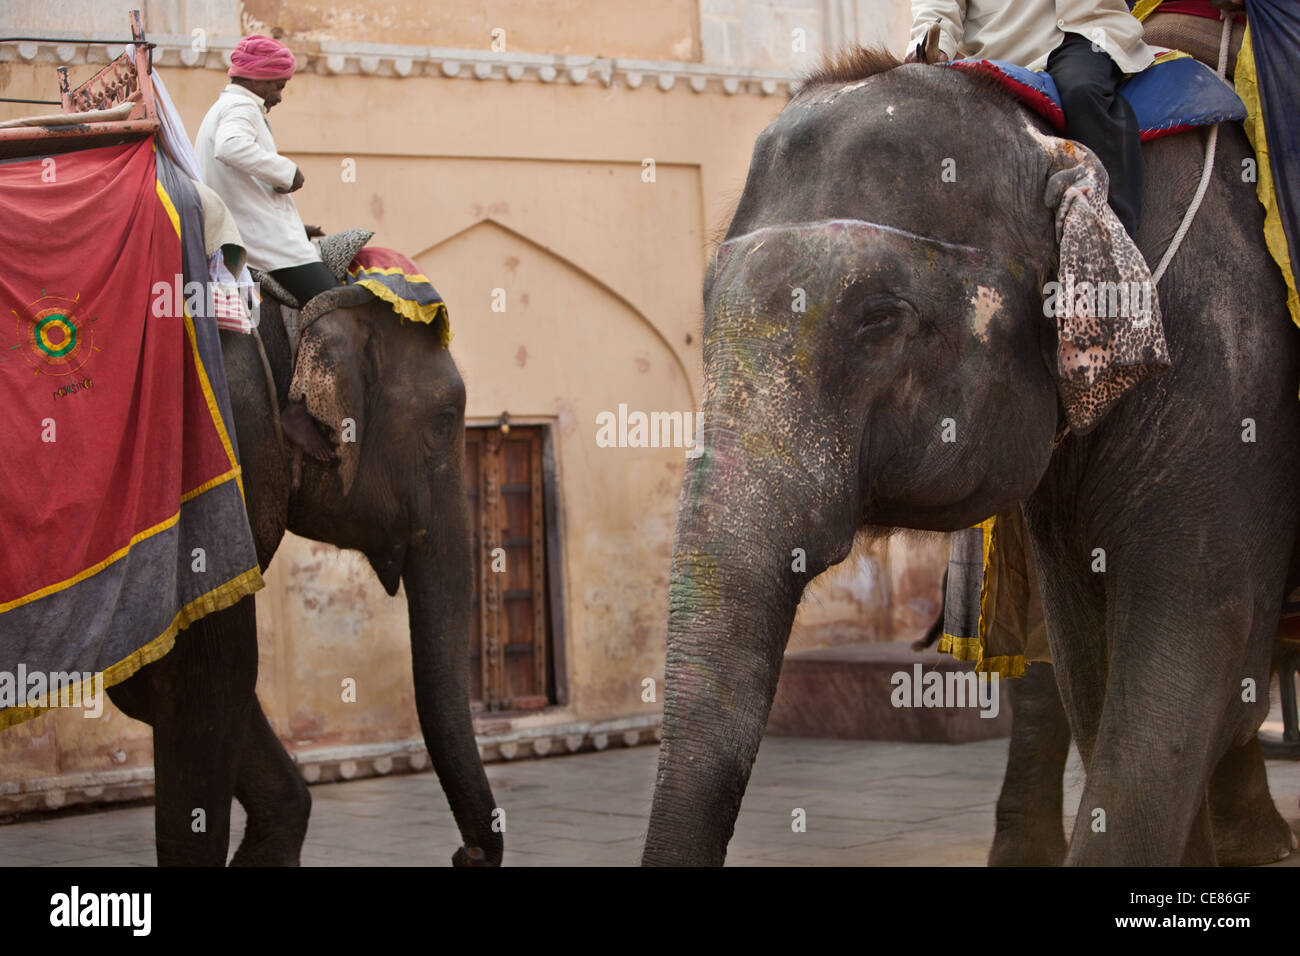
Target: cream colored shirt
238 159
1024 32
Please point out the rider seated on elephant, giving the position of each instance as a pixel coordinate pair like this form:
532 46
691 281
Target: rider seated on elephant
1086 45
238 159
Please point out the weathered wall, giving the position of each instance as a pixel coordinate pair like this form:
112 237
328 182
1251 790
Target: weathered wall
662 30
535 187
794 34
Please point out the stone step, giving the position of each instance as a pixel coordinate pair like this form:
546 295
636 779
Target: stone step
851 692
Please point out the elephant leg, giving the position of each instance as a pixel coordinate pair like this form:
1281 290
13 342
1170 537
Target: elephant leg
1199 850
198 699
1248 830
270 788
1167 692
1030 828
1146 648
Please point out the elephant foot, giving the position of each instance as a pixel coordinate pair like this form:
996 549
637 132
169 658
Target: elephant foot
1020 841
1242 841
1246 827
276 830
267 851
471 856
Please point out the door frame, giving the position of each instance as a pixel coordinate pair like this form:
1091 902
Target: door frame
553 515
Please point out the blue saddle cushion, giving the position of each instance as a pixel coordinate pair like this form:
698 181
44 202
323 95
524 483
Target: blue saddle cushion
1174 93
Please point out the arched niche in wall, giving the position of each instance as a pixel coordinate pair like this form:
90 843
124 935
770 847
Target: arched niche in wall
563 348
514 303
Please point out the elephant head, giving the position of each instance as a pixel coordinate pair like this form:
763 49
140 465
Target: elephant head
876 354
378 405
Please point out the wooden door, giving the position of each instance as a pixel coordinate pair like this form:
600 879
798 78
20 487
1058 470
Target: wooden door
510 645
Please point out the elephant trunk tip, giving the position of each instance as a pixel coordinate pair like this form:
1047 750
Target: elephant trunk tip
472 856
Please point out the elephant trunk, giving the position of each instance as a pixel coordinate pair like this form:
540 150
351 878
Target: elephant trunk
436 575
732 600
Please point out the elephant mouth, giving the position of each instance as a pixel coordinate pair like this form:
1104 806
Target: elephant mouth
388 565
306 432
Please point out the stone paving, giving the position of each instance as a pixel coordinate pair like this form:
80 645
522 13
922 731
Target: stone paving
872 803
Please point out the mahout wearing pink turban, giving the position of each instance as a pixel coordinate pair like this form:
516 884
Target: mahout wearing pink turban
259 57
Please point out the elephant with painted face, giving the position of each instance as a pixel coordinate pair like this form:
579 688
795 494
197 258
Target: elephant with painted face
924 387
392 488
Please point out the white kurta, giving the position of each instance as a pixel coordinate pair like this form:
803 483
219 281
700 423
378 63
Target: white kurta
1024 32
238 159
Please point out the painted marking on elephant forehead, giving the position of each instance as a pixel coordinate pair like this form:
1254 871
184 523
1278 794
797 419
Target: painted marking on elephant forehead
824 224
987 303
824 96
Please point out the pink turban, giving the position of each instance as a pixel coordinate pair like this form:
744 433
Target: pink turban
261 58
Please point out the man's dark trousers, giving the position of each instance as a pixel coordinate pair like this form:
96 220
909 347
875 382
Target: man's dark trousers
1097 116
306 281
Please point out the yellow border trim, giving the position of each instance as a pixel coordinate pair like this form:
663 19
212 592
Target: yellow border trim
211 400
167 205
204 383
989 529
393 271
218 599
1144 8
94 568
212 483
962 648
1008 666
122 551
435 313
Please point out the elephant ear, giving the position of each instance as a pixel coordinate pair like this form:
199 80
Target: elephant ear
1109 334
327 394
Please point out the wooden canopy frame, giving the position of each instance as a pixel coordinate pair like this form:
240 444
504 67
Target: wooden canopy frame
124 80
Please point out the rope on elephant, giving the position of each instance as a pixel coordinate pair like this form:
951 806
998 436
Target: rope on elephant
1208 168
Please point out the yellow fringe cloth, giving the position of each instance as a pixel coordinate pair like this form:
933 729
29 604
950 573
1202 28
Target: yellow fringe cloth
434 313
972 648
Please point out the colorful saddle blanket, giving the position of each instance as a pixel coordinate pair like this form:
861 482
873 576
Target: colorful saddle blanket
1173 94
398 281
385 273
122 518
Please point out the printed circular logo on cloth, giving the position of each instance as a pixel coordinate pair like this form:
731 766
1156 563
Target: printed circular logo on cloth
53 338
56 336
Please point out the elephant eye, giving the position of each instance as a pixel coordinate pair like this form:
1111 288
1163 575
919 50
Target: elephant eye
437 426
879 314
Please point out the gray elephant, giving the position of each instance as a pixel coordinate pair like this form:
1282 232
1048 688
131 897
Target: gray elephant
397 494
1247 828
924 387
